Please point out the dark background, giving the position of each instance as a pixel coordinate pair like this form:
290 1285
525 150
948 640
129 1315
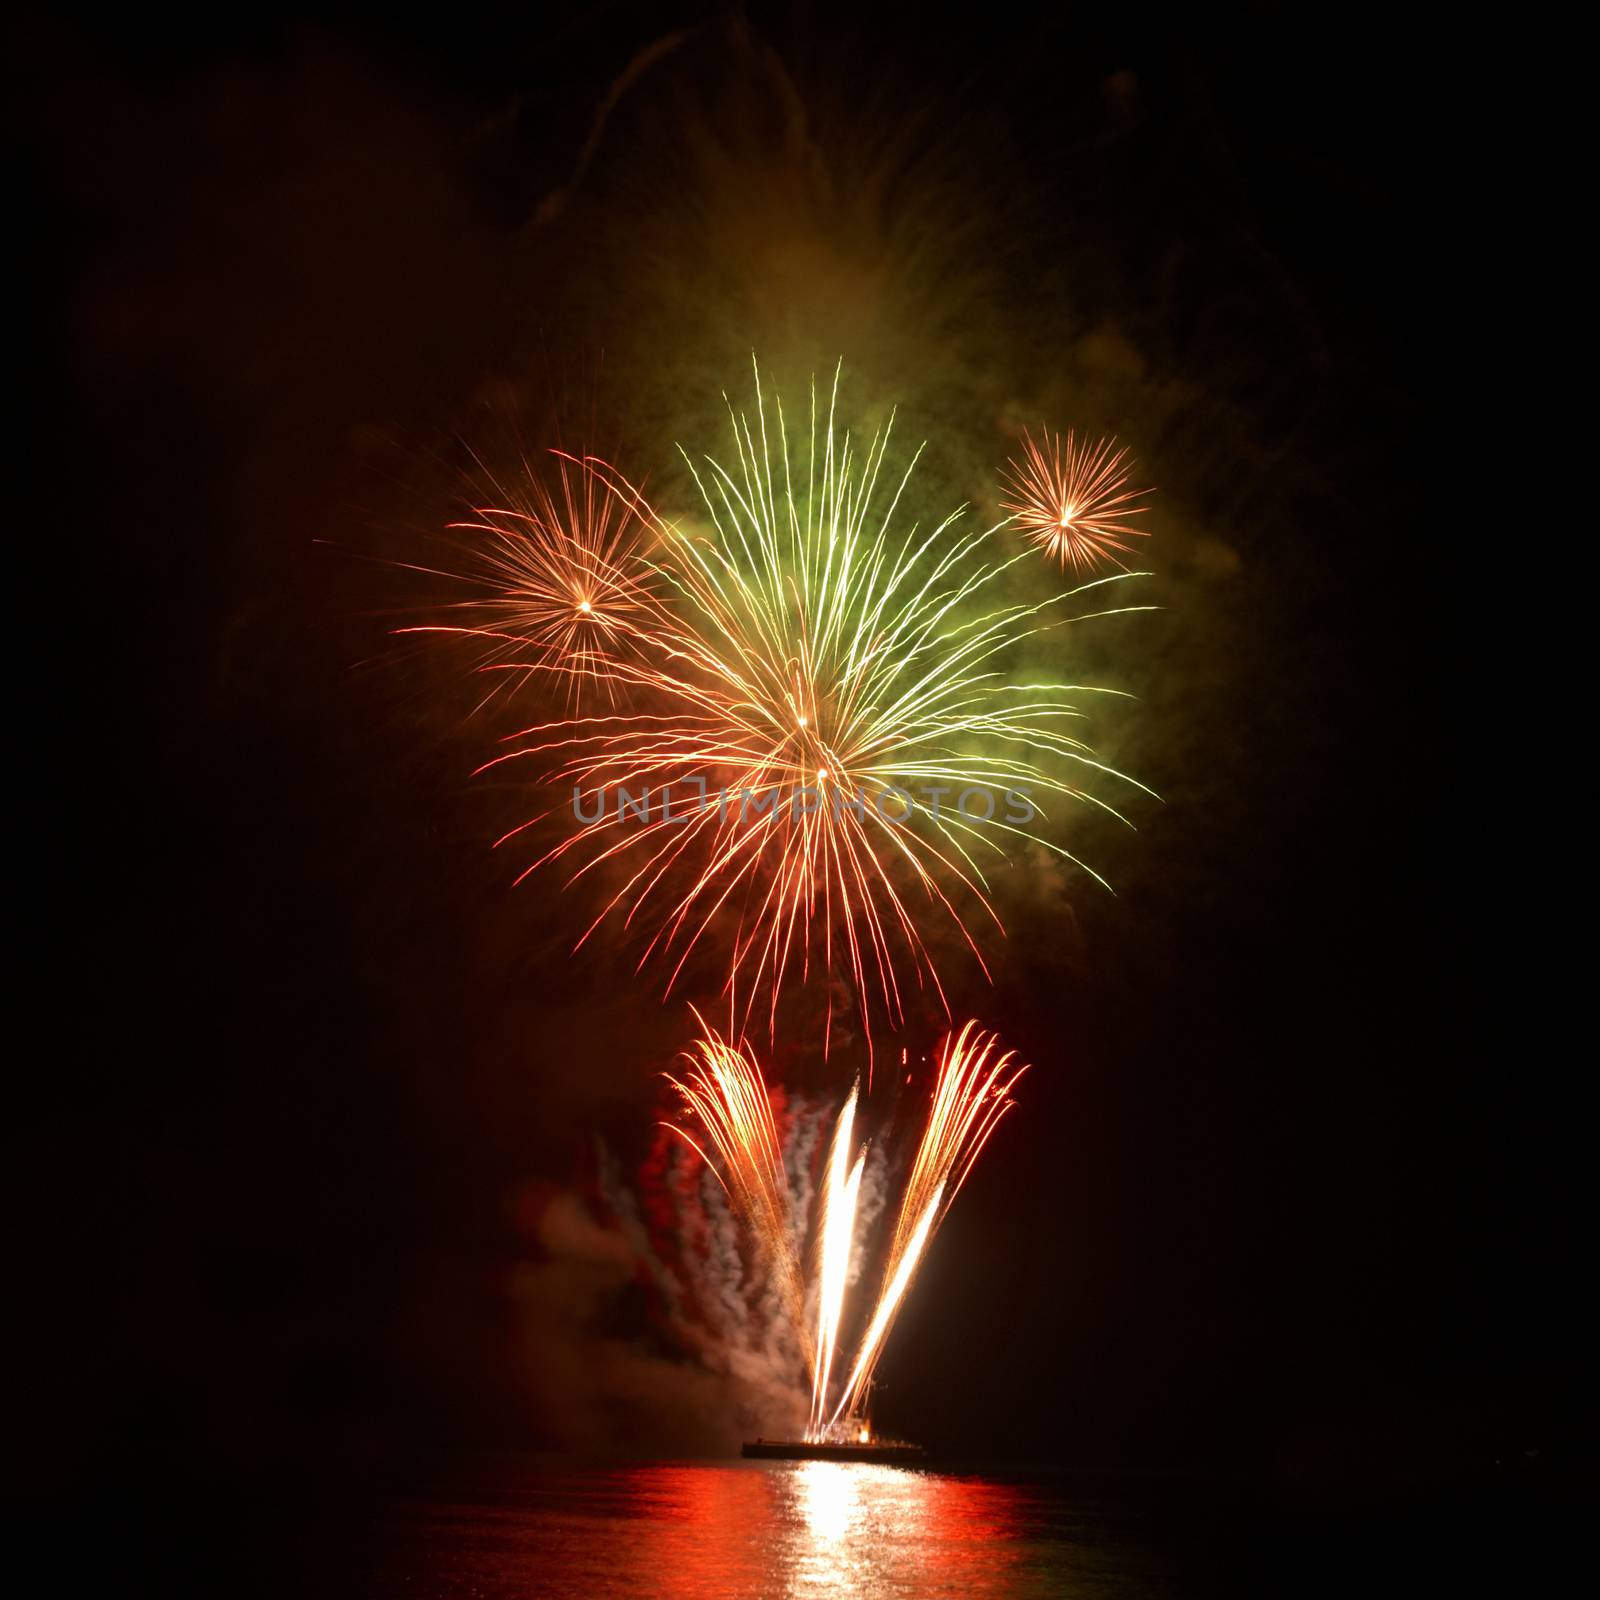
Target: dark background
1286 1203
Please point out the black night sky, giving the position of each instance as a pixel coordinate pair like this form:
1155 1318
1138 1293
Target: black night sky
1287 1207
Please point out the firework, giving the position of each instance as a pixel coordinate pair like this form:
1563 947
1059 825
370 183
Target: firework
972 1091
559 589
1073 500
726 1094
836 736
724 1091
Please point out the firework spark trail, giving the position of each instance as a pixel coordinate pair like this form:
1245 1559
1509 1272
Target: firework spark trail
725 1092
562 584
837 673
837 1237
1074 503
887 1309
971 1093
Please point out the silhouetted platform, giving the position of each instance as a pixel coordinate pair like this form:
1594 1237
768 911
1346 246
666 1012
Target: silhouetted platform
886 1452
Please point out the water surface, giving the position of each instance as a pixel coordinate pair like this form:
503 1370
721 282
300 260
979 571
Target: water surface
688 1531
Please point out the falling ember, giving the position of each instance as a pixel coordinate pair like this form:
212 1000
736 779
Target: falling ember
1072 499
830 671
558 585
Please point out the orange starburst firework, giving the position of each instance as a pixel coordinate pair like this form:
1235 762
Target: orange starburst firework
1072 498
560 587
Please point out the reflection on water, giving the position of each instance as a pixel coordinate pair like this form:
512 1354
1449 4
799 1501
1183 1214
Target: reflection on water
872 1529
830 1496
779 1529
